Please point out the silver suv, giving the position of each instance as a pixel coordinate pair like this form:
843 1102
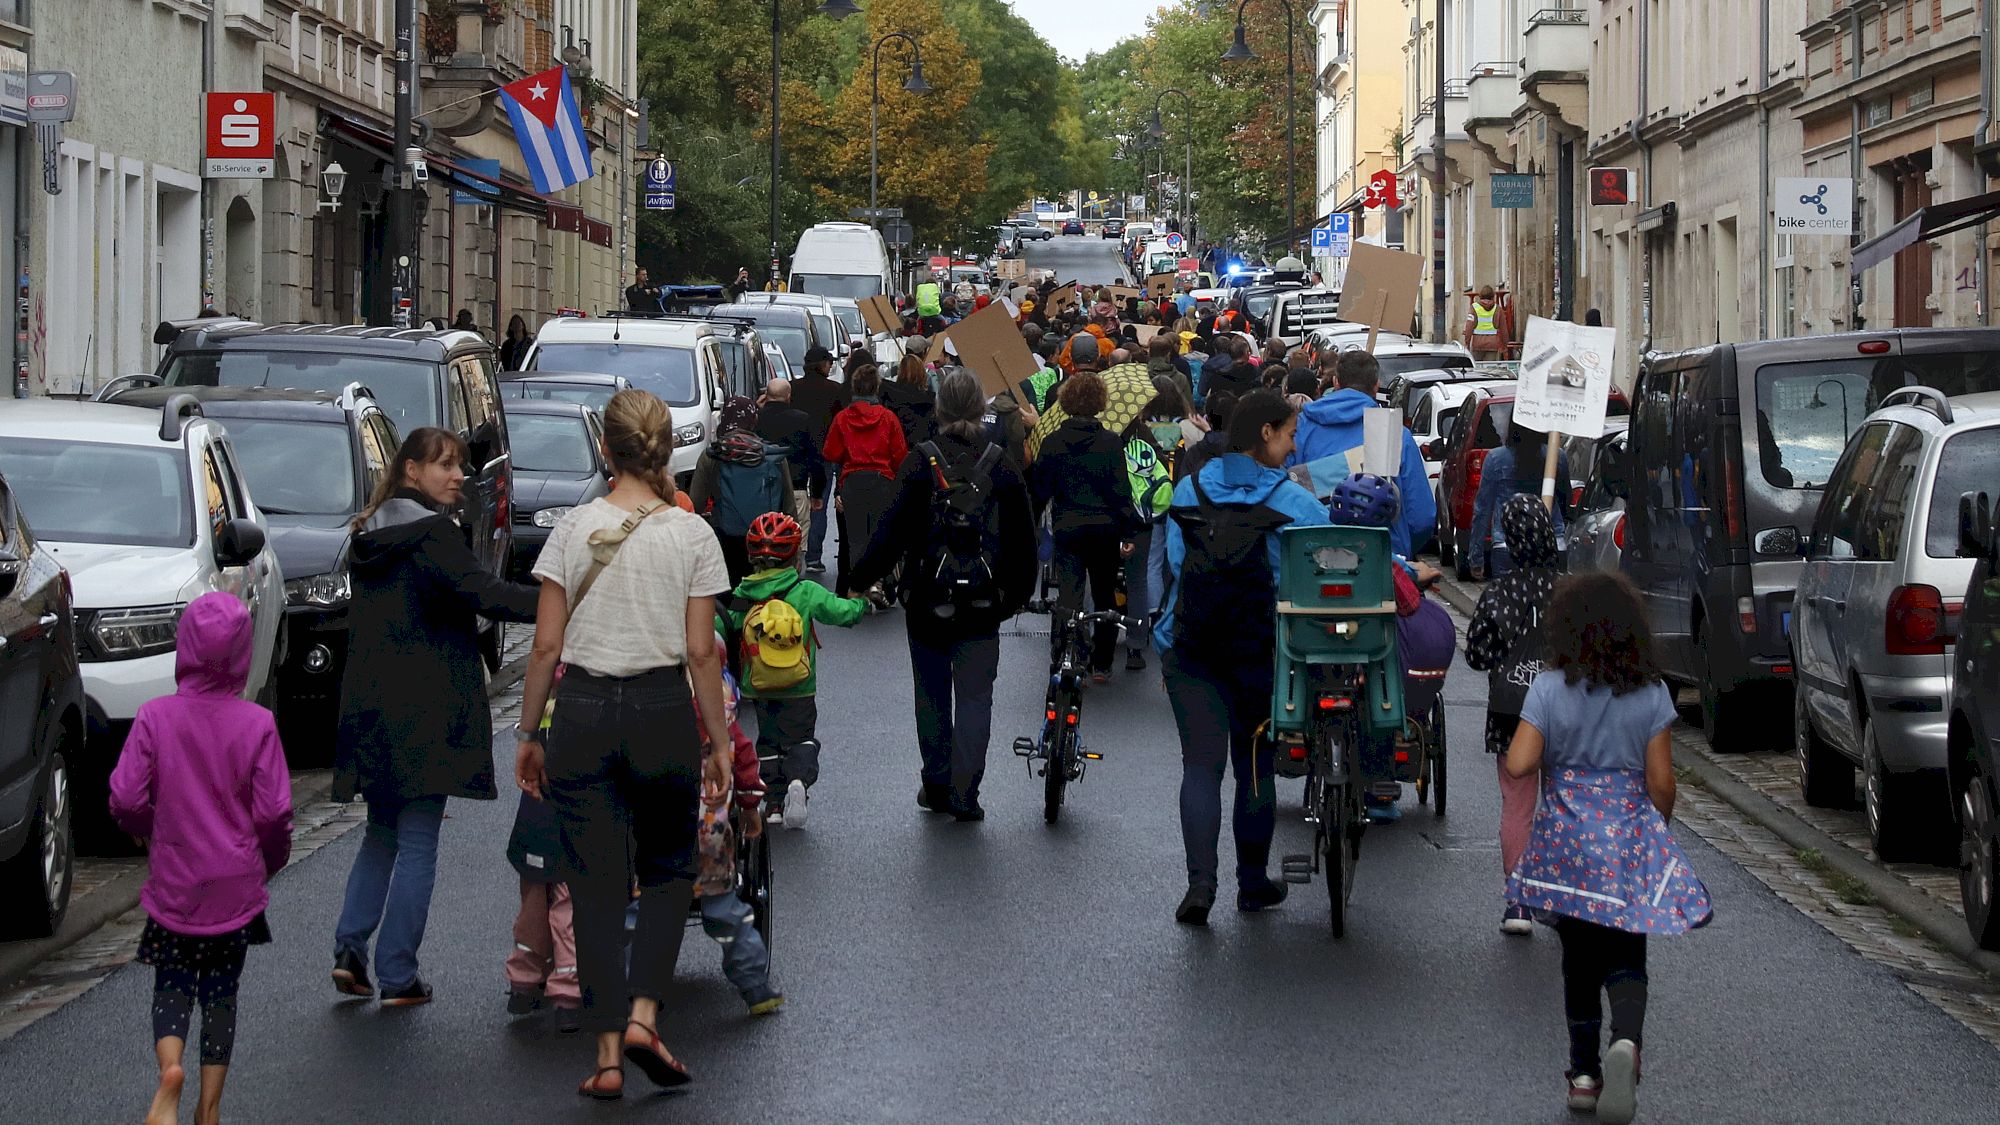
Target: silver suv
1877 608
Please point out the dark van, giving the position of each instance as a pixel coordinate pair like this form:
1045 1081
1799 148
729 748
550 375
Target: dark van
1729 451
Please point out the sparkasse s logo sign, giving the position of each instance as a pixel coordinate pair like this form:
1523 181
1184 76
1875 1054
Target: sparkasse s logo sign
1814 205
242 136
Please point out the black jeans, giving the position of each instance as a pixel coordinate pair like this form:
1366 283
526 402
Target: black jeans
624 766
786 748
954 703
1600 959
864 499
1218 711
1091 556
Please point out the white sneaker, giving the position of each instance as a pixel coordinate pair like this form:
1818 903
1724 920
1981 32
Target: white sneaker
1619 1101
795 805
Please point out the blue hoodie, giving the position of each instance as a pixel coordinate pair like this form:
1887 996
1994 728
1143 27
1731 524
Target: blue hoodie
1234 478
1331 425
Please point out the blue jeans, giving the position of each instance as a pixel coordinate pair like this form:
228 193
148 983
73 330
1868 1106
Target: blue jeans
1139 602
1157 573
745 960
390 886
816 533
1218 711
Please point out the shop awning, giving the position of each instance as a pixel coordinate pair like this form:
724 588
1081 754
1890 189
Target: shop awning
1926 223
566 216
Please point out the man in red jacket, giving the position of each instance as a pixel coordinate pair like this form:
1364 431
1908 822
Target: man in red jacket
866 441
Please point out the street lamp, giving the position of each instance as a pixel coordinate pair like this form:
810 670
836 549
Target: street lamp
333 178
1239 51
1159 130
838 9
915 85
1818 402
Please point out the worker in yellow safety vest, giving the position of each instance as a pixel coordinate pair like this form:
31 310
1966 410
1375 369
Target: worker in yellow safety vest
1482 326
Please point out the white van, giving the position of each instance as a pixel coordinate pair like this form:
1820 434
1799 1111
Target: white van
683 360
841 260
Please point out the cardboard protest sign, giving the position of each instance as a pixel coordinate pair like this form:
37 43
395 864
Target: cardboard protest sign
1122 293
1145 332
1062 299
1160 286
1565 378
879 312
1011 268
989 344
1381 288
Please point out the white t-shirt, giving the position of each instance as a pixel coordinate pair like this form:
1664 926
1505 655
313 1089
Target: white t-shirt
635 618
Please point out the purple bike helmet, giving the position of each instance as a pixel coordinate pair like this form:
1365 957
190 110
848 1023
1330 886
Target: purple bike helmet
1363 500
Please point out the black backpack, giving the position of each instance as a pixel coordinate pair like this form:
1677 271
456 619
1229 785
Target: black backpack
1507 684
1226 598
960 572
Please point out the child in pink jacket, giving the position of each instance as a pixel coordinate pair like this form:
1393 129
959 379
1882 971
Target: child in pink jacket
202 782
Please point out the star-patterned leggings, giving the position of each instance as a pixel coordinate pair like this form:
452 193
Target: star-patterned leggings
188 970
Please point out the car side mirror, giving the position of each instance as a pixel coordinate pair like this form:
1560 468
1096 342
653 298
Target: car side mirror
1975 525
1776 541
1434 449
238 542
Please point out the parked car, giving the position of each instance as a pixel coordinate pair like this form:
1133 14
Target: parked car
1972 759
1073 226
419 377
1597 511
41 730
1297 312
680 359
1732 446
581 387
146 510
1873 623
1478 431
780 327
1112 228
1035 232
312 458
832 332
558 464
1430 419
1405 390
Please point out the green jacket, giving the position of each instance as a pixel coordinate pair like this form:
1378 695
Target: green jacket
817 604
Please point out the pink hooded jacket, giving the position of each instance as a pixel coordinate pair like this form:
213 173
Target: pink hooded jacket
203 777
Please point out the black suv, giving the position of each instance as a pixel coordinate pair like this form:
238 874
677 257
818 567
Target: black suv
312 459
41 727
1971 763
419 377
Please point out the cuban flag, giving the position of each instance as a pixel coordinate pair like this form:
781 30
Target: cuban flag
549 128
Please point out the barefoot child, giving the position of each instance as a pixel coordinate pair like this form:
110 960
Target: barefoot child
202 782
1601 866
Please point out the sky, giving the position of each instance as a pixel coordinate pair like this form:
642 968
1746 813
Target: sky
1076 30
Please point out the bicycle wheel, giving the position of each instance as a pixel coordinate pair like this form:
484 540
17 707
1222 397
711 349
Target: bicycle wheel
1336 866
1055 780
1435 757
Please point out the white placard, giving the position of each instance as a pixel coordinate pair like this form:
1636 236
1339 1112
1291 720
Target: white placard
1565 378
1382 441
1814 205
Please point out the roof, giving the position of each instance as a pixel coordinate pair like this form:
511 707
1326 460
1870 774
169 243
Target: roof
106 422
546 406
245 402
1966 410
666 331
776 314
424 342
574 378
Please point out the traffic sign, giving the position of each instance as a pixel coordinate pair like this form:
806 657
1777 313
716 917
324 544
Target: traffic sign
1322 239
660 180
897 232
1175 241
874 212
1341 246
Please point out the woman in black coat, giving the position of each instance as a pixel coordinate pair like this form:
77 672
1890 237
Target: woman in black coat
1079 476
414 724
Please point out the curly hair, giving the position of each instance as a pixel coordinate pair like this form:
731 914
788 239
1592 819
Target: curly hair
1083 395
639 434
1598 633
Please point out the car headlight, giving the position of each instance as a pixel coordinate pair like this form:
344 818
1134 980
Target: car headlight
126 634
549 517
322 590
690 434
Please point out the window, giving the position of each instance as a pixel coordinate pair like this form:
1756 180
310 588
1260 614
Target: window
85 492
1890 489
551 443
471 373
1966 465
218 499
300 468
1806 410
405 389
376 451
1426 412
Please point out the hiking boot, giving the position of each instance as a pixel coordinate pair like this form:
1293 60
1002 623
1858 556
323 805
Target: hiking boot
762 999
1135 660
1194 907
350 974
1252 899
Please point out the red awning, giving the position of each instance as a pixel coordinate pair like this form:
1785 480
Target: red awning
568 217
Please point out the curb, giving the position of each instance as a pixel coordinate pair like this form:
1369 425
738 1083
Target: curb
91 912
1936 921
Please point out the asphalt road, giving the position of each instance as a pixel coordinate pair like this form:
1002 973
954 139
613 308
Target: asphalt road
1091 259
1011 971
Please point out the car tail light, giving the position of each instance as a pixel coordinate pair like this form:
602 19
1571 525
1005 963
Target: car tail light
1873 347
1618 532
1746 614
1915 622
1576 496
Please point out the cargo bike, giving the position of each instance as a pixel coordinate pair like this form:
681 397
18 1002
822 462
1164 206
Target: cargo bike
1337 681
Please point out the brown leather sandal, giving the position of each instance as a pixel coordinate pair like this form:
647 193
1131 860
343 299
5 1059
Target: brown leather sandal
591 1088
652 1058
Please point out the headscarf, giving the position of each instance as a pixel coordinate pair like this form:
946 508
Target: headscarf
738 413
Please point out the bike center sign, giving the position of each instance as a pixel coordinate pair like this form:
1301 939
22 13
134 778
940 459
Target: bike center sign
242 136
1814 205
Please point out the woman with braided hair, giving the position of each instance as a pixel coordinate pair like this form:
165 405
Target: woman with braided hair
629 583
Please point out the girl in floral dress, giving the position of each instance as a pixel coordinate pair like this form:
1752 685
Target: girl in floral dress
1601 866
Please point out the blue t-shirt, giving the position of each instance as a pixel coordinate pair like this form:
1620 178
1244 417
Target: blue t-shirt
1584 725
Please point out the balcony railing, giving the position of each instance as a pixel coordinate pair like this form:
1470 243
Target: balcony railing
1559 15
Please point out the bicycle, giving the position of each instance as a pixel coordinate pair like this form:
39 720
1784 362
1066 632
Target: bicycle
1059 751
1333 792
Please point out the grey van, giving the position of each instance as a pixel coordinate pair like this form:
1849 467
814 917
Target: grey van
1729 450
1876 614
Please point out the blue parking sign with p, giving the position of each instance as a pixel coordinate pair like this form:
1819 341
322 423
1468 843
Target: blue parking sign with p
1340 223
1322 238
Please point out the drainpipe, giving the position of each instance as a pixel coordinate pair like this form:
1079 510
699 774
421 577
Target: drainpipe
22 161
1979 267
1645 179
210 26
1764 179
1855 322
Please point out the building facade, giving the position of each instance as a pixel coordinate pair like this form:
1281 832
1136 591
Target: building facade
1360 111
136 235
